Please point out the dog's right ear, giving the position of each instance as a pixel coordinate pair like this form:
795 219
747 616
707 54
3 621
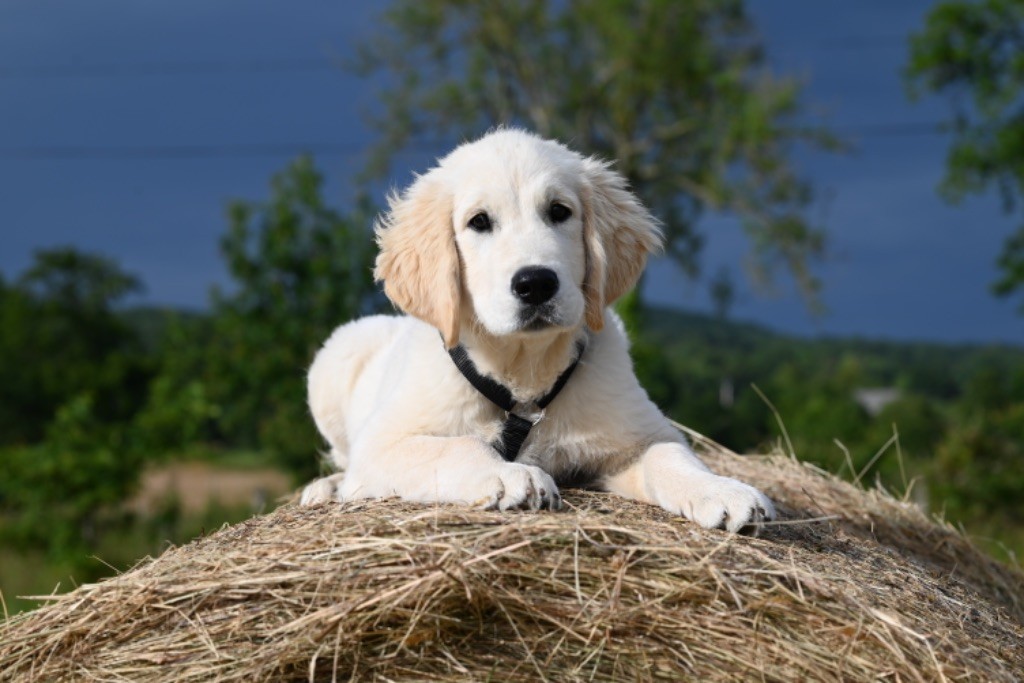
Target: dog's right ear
418 261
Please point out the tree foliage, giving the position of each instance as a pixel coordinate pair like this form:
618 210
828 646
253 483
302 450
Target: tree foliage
61 336
76 281
300 269
73 375
973 52
677 93
55 493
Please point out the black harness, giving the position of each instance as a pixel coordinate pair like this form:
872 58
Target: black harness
516 427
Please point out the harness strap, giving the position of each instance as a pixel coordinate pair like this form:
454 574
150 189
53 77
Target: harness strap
516 427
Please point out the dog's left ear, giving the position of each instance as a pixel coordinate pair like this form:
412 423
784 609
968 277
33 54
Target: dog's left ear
618 232
418 260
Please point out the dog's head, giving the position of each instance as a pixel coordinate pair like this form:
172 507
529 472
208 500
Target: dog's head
514 233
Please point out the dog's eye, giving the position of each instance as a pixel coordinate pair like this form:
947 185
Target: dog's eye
480 222
559 213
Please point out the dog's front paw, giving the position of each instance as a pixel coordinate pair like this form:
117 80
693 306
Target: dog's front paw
724 503
321 490
518 487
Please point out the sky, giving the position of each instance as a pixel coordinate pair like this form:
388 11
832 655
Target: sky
127 125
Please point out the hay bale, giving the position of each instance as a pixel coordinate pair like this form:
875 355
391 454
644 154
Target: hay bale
850 585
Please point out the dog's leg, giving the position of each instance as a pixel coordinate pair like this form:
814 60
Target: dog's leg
446 470
670 475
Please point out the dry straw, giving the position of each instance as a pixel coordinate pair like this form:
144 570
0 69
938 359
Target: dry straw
850 585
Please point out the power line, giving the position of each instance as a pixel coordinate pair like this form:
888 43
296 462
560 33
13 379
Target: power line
83 152
844 44
206 151
57 71
895 129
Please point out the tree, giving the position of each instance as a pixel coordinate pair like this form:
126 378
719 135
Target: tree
299 270
676 93
60 336
976 471
73 375
58 495
973 52
78 281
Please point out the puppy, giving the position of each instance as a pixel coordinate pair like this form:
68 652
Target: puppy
510 375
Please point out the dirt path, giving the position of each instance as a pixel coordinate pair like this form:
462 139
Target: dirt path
198 484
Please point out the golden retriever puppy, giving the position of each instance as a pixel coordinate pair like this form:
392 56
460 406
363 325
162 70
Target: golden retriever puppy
510 375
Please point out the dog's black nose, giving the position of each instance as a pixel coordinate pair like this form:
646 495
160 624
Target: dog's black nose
534 285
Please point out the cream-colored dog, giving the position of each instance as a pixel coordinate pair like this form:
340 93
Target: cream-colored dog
513 248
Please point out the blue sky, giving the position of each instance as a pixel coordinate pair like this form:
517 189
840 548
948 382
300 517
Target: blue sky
127 125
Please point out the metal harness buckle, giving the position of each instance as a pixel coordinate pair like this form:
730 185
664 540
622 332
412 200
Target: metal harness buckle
532 416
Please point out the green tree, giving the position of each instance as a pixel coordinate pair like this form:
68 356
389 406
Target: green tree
973 51
920 425
78 281
73 375
299 270
677 93
977 474
61 336
59 494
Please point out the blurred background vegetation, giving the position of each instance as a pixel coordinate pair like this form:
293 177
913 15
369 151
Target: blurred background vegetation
113 416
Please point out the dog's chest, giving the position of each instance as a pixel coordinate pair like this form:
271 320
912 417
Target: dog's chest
575 446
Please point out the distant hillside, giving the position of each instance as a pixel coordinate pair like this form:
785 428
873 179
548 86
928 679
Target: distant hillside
660 320
752 350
